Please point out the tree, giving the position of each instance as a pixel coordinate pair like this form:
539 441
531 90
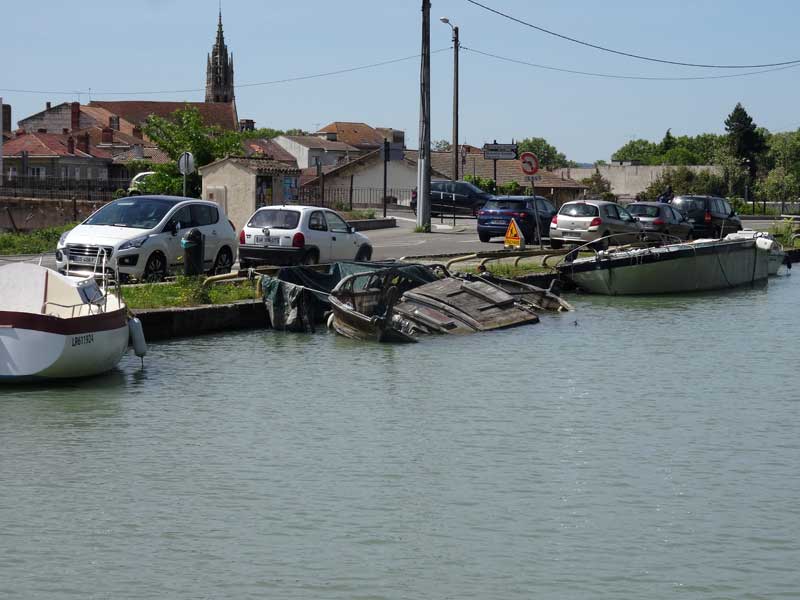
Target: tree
441 146
263 133
185 132
744 140
549 157
668 143
597 185
686 181
779 186
641 150
296 132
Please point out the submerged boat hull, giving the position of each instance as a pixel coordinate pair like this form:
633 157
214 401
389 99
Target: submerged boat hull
45 347
672 269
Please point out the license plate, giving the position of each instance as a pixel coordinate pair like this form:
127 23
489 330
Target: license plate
572 234
497 222
83 259
268 240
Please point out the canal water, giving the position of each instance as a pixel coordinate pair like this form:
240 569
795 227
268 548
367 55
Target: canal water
636 448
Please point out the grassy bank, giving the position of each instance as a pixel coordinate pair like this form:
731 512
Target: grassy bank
186 291
33 242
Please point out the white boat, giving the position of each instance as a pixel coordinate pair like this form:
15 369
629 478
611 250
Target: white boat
700 265
777 256
54 326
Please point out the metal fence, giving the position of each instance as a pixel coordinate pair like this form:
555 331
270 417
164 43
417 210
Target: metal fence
56 188
347 198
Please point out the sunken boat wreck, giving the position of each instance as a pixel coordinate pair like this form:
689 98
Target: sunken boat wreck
400 302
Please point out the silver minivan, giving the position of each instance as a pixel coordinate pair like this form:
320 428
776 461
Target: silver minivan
584 221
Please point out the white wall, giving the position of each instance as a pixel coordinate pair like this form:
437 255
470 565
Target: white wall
240 189
627 181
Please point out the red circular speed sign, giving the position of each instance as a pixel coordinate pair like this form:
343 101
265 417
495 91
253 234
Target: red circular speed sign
529 163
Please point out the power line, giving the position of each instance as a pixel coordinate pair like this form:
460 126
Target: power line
634 77
629 54
242 85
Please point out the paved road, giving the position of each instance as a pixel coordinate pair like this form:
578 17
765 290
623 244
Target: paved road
402 241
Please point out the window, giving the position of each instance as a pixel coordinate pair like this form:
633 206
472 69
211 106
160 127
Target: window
183 217
545 205
610 211
76 173
64 172
624 215
726 208
12 172
579 209
90 173
643 210
316 221
504 205
336 224
275 219
36 172
202 214
132 212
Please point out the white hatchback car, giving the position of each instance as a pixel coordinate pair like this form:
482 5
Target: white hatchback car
140 237
292 234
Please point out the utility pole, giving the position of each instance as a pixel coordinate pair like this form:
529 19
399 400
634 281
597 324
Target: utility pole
456 46
424 156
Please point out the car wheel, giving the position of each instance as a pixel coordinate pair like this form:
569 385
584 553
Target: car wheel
155 269
311 257
483 236
556 244
224 262
603 243
364 254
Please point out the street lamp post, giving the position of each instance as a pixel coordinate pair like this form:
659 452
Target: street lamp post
456 46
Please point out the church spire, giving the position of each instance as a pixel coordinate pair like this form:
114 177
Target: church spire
219 73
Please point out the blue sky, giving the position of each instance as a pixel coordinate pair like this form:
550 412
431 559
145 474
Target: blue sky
154 45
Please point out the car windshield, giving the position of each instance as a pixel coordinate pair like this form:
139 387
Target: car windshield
687 204
643 210
275 218
504 205
579 210
137 213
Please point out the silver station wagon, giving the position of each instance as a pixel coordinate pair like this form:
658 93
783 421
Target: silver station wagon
584 221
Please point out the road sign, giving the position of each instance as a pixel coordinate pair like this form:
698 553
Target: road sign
529 163
186 163
513 238
500 151
395 151
533 177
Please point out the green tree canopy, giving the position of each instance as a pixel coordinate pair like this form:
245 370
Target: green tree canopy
185 132
745 142
686 181
548 155
440 146
639 149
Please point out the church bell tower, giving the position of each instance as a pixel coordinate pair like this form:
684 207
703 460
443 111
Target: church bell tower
219 70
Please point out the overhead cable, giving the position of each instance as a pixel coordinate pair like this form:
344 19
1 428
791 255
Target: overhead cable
634 77
629 54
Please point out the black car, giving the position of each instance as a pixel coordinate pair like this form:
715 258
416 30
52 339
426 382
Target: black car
710 216
494 217
661 218
459 197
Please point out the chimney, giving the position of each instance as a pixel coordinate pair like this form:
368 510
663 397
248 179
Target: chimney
83 143
247 125
107 136
137 132
71 145
75 113
113 122
47 105
6 121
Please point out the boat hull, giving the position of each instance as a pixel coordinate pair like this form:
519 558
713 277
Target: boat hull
683 268
42 347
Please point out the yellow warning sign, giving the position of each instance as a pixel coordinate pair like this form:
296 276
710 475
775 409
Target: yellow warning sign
513 237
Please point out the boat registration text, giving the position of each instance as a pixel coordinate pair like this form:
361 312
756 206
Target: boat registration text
82 340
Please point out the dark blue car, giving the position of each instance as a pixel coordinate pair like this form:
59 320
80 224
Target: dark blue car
494 217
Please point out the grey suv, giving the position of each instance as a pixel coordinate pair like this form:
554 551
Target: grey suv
710 216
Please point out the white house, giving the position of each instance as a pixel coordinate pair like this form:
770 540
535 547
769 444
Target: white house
306 149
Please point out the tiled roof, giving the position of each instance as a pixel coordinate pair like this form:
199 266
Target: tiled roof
313 141
360 135
151 154
102 115
221 114
49 144
507 171
119 138
310 175
259 165
268 149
